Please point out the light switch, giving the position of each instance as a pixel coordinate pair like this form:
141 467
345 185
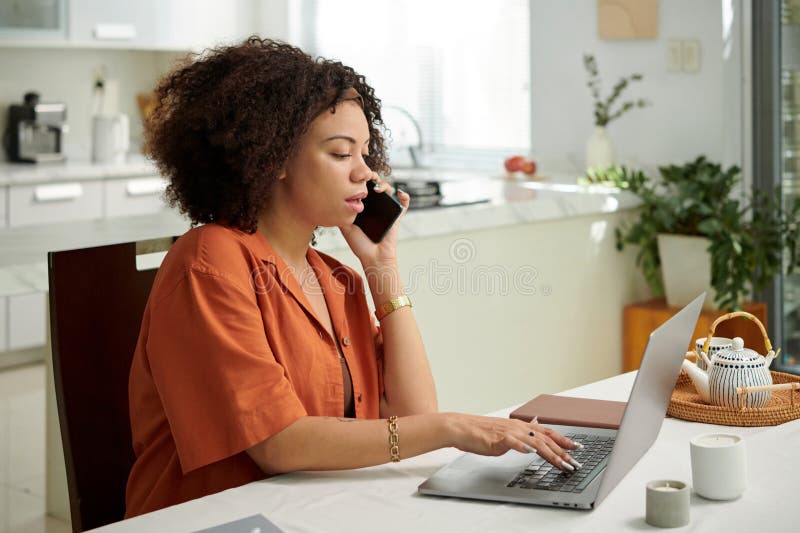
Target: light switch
690 52
674 56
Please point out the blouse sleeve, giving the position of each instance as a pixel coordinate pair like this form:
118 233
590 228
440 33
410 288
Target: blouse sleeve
221 387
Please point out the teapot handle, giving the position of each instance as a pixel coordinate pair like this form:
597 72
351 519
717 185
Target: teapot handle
728 316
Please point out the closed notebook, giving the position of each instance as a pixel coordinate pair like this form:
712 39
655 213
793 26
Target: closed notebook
567 411
255 523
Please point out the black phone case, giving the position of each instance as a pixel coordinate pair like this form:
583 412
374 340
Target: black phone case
380 213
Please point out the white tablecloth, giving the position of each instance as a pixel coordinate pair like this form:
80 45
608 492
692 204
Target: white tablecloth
384 498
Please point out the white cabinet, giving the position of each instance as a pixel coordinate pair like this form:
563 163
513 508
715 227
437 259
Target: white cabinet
3 299
134 196
34 20
113 21
159 24
3 206
56 202
23 321
3 323
145 24
27 323
199 24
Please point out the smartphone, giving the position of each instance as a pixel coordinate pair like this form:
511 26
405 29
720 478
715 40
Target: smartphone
380 213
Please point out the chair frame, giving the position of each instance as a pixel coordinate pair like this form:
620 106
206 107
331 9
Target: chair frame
97 300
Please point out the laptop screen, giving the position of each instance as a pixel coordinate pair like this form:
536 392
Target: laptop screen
650 394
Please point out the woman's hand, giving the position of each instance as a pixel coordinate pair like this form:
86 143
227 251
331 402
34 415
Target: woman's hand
485 435
384 252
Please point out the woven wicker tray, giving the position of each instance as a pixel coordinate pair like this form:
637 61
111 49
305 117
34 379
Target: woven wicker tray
686 404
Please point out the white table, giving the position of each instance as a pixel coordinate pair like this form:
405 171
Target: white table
385 499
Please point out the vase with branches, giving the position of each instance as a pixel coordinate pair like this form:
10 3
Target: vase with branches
599 150
603 113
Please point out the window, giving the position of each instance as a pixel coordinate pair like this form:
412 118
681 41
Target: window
461 68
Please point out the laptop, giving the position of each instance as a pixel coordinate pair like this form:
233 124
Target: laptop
608 454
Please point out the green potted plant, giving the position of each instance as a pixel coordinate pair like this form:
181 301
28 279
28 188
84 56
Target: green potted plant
599 149
744 238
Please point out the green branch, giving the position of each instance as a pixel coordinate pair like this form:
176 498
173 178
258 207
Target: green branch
603 114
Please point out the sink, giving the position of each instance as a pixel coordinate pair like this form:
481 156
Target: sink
445 188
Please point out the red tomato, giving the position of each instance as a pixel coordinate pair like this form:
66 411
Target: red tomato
529 167
514 164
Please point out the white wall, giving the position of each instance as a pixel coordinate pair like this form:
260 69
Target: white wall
488 348
67 75
273 18
688 115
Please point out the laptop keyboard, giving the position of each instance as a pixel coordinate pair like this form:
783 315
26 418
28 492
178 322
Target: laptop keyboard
544 476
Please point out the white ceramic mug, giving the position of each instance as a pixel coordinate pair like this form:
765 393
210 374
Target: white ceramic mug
716 345
110 138
719 466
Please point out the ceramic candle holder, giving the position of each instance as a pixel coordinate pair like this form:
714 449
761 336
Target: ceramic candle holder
667 503
719 466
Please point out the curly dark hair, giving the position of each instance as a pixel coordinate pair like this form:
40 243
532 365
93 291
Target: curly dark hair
227 121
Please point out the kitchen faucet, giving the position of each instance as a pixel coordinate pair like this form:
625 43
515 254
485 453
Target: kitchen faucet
413 151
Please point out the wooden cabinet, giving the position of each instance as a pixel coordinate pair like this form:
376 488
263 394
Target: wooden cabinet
640 319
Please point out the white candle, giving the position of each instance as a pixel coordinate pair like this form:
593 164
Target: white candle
666 488
667 503
719 465
717 440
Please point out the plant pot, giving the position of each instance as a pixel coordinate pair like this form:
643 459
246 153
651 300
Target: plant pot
599 149
686 269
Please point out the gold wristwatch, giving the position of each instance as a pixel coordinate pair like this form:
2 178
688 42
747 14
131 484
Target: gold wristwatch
391 306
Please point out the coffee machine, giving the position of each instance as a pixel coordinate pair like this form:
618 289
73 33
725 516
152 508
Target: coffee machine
35 131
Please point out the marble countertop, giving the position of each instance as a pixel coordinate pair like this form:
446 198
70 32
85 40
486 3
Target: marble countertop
24 249
509 203
72 170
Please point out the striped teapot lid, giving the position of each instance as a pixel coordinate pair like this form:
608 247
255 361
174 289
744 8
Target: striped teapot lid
738 352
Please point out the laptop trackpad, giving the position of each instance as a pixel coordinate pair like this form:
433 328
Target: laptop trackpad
501 469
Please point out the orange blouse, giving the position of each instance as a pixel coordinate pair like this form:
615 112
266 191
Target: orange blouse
230 353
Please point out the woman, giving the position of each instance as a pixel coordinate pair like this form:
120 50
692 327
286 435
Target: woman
258 355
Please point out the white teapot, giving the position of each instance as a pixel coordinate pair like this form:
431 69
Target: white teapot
732 368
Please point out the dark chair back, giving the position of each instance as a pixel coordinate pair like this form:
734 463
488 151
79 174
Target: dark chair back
97 299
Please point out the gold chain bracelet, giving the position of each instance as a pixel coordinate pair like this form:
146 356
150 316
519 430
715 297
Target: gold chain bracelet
394 440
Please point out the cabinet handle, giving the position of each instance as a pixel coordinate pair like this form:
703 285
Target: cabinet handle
57 192
145 186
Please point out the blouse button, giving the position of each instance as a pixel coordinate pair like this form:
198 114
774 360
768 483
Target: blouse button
321 335
359 397
346 341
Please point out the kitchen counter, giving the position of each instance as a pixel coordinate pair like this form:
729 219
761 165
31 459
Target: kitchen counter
24 249
72 169
508 202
